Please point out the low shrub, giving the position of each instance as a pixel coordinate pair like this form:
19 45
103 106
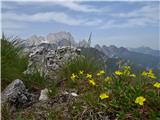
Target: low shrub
123 94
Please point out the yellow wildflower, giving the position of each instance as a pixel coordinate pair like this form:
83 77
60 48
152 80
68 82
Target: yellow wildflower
132 75
127 72
127 67
103 96
144 73
149 74
92 82
81 72
101 72
73 76
89 76
157 85
118 72
140 100
107 79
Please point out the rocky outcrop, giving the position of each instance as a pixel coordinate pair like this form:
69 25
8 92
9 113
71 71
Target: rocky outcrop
48 61
61 39
17 95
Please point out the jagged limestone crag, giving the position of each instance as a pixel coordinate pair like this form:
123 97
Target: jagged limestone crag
56 39
59 39
17 95
48 61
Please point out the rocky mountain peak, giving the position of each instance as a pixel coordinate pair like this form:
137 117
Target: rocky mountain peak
34 40
53 40
61 38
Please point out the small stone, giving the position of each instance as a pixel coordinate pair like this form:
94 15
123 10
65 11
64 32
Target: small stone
74 94
44 95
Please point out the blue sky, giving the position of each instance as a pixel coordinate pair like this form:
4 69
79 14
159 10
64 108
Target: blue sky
129 24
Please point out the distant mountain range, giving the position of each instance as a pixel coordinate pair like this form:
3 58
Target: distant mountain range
146 50
137 58
59 39
142 56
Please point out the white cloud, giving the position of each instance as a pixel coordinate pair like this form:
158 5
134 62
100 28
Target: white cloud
76 6
146 15
114 24
94 22
129 23
42 17
59 17
139 17
70 4
148 12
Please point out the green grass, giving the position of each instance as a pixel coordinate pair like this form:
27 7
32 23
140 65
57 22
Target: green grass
86 63
35 80
14 63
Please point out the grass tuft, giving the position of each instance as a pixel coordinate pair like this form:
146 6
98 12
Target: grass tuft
13 62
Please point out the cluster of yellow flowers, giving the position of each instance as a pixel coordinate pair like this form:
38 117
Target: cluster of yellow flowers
157 85
126 72
103 95
91 81
139 100
149 74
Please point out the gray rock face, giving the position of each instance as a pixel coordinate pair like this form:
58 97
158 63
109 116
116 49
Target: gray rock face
12 90
17 95
34 40
84 44
48 61
61 39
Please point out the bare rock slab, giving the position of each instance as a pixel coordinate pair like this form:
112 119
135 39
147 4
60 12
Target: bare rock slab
17 95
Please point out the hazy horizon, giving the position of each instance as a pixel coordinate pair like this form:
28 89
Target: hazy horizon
126 24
